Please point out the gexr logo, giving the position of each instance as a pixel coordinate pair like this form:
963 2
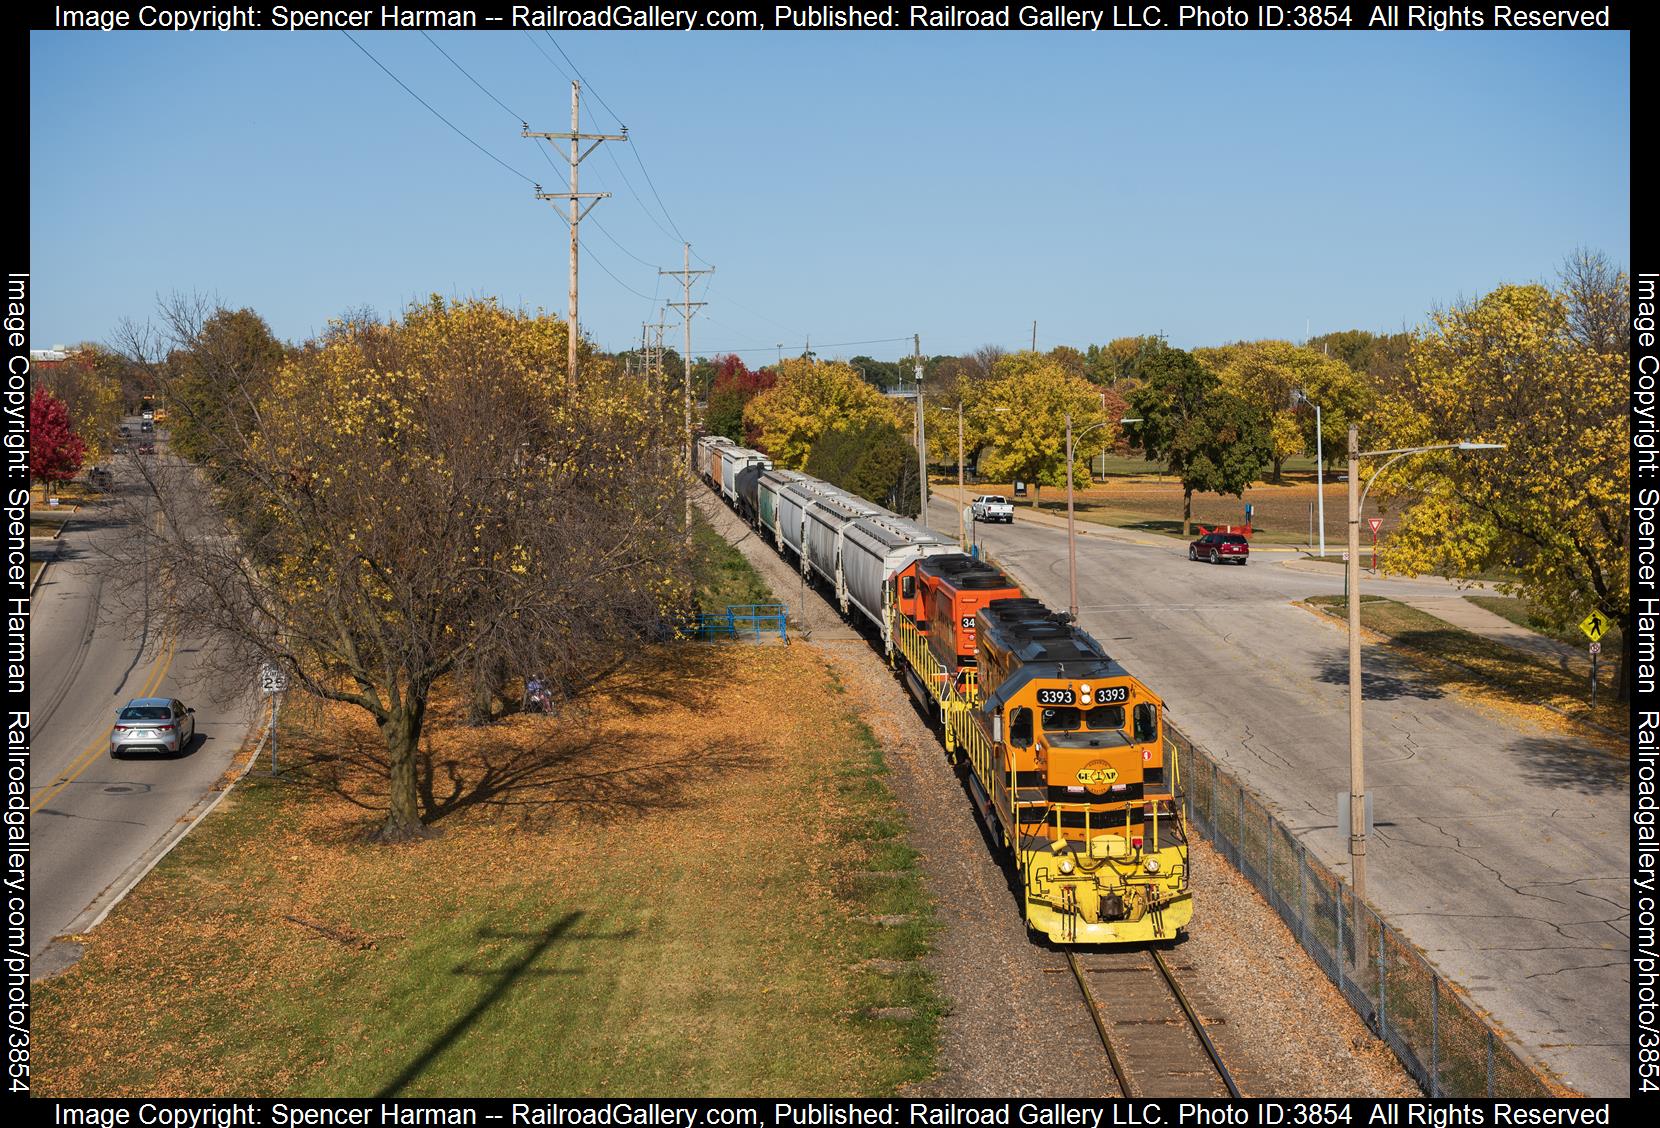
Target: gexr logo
1097 774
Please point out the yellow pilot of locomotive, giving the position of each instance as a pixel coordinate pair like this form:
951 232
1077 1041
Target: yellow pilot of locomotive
1069 763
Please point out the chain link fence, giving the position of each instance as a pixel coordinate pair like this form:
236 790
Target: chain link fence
1446 1044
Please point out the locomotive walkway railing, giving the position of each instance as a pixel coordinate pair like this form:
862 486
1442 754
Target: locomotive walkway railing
1448 1046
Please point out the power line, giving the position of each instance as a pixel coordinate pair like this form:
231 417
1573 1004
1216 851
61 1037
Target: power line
659 200
652 298
434 112
584 81
470 78
548 57
624 249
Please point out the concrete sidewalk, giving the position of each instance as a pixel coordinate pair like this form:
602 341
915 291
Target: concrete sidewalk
1445 600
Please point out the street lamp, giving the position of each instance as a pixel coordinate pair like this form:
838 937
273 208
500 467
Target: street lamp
1071 524
1357 756
1319 466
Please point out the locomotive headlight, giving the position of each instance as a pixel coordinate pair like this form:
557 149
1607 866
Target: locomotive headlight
1066 865
1152 865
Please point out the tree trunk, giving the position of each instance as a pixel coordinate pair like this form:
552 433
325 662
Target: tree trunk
1187 511
402 733
1278 464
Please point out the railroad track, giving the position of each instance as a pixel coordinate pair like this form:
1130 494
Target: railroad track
1154 1039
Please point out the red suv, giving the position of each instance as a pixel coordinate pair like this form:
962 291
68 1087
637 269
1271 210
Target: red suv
1218 548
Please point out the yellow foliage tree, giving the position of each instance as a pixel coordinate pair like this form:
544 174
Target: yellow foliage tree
1266 373
789 417
1021 416
431 496
1519 367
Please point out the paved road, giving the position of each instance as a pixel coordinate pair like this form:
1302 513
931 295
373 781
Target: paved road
93 817
1502 852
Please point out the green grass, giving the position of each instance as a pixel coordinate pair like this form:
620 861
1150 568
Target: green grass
715 947
1516 610
722 575
1449 656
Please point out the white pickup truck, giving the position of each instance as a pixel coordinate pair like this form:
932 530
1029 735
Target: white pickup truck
993 507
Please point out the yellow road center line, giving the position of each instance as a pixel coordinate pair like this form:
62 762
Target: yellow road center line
86 759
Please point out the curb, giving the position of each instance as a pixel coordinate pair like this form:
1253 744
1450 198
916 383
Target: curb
93 915
46 562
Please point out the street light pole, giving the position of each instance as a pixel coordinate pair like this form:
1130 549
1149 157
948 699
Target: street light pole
962 533
1319 466
1071 529
1071 523
1357 755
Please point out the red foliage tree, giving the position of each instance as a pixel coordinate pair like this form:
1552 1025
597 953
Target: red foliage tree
55 450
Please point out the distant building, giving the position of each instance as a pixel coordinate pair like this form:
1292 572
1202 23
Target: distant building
46 358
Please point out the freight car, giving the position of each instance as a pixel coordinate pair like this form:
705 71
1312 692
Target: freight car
1065 750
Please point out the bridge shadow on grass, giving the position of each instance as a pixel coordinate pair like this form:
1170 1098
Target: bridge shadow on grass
505 978
1569 764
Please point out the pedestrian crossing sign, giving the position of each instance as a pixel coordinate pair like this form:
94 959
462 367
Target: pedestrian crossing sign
1595 625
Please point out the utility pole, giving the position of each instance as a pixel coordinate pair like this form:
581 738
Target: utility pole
921 437
574 198
1034 336
688 309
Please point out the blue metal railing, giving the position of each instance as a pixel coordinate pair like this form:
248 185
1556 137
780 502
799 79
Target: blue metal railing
741 621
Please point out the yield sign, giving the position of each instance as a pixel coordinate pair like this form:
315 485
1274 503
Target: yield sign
1595 625
1376 523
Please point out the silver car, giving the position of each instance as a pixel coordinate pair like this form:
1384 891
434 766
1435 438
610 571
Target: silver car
153 724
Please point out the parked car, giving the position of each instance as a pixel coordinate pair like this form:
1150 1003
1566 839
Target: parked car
146 426
993 507
147 448
1218 548
152 724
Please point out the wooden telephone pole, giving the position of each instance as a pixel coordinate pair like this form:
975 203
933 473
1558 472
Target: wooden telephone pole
576 212
688 309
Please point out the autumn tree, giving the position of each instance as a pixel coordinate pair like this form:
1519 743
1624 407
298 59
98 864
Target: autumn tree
56 452
1266 374
1070 360
1021 415
1210 438
434 496
735 385
88 384
1378 358
1119 359
1545 372
217 375
807 400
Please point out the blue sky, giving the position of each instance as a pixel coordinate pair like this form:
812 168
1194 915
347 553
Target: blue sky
848 186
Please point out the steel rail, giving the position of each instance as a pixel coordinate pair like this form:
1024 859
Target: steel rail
1100 1026
1198 1027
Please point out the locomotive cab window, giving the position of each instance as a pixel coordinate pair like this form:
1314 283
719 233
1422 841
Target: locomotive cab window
1146 722
907 587
1060 720
1104 717
1020 728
